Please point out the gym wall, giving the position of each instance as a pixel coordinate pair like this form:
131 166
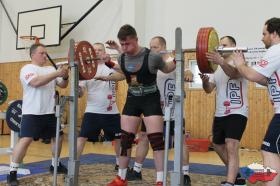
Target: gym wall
242 19
199 106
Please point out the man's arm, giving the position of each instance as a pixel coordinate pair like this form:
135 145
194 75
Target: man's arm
112 77
114 46
169 67
64 82
65 76
45 79
252 75
81 90
188 75
207 86
229 70
247 72
115 66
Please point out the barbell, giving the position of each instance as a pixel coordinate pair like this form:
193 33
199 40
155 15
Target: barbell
3 93
207 40
85 57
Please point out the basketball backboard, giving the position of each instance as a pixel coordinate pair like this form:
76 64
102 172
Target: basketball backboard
45 24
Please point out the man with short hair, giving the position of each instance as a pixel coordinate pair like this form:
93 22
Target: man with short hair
38 115
139 67
231 109
267 73
101 111
166 84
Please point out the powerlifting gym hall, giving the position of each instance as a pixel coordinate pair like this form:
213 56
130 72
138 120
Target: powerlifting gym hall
139 92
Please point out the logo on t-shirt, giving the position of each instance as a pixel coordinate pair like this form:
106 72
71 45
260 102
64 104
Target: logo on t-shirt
262 63
274 88
234 96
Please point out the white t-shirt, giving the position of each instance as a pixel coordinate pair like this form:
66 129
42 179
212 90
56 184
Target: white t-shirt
269 66
101 94
40 100
166 84
231 94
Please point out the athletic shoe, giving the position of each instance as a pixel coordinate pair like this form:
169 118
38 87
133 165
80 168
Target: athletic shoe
187 180
132 175
240 182
61 169
118 182
224 183
12 179
46 140
159 183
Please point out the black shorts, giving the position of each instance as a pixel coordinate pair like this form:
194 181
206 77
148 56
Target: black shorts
38 126
271 141
231 126
172 127
148 105
93 123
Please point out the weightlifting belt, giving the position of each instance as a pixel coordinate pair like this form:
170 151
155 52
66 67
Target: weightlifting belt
142 90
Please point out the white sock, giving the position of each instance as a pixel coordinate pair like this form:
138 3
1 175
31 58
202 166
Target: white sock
137 167
160 176
185 169
117 161
53 161
14 166
122 173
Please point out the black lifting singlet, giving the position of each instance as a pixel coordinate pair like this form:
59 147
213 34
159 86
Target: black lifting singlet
143 75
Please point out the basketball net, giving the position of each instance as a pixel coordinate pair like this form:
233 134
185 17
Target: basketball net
27 41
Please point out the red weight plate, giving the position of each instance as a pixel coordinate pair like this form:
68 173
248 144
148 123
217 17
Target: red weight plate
85 56
202 49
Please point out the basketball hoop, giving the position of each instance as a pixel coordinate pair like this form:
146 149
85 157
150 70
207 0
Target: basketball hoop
27 41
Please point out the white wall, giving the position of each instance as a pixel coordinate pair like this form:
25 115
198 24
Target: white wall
100 25
242 19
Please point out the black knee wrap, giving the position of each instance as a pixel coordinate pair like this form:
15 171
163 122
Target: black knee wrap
127 139
156 141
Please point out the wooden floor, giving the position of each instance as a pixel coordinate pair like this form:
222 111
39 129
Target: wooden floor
39 151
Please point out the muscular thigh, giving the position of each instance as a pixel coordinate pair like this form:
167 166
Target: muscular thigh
130 123
153 124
